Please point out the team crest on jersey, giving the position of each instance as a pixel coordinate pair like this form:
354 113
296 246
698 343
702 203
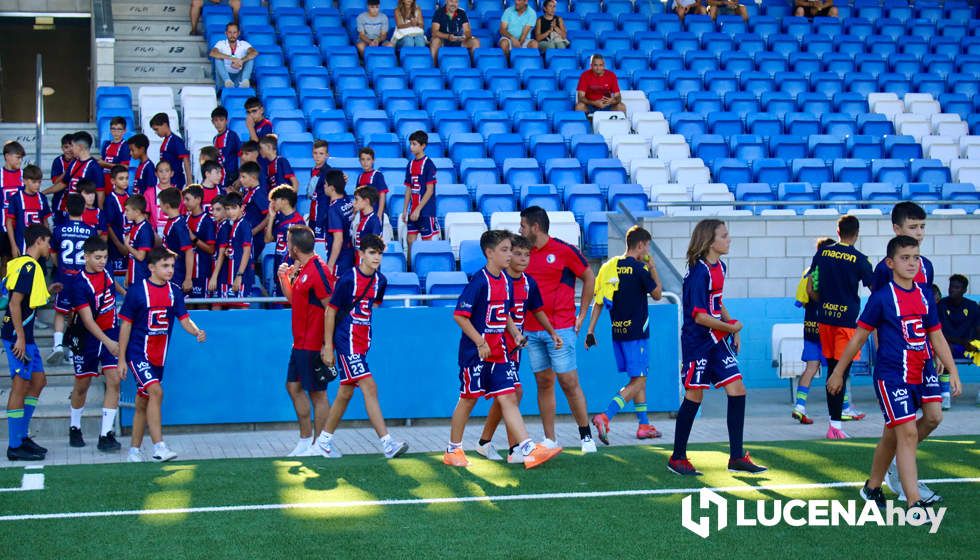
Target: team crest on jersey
158 321
550 259
914 331
302 278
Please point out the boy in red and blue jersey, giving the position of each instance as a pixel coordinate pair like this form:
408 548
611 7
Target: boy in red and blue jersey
233 274
11 181
622 286
26 208
904 315
114 218
200 226
282 200
114 152
525 300
82 167
840 269
347 330
707 356
227 142
146 172
92 297
177 237
319 201
211 184
67 242
278 171
255 120
172 150
255 198
483 313
139 240
92 214
337 222
366 221
419 211
60 164
372 177
148 313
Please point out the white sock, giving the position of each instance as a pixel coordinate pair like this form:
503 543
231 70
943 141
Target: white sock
133 450
835 424
454 446
527 446
76 417
385 439
160 446
108 420
306 440
58 339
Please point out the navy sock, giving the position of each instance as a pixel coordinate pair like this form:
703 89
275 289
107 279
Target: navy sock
736 424
682 429
835 403
484 441
584 431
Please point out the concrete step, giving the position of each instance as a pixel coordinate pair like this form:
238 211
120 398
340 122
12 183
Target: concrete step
189 49
26 134
149 11
158 73
154 31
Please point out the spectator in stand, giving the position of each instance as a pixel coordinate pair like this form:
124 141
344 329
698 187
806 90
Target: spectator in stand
549 30
685 7
959 316
814 8
598 88
727 7
233 59
515 27
197 5
372 27
451 28
409 25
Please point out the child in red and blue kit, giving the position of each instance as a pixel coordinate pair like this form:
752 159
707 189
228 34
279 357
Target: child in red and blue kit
114 218
114 152
419 212
139 240
282 200
146 173
233 275
200 226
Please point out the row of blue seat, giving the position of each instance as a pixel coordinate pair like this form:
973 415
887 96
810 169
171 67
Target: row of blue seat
774 171
967 195
858 147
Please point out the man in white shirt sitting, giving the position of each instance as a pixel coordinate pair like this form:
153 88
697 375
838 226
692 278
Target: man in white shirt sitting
233 59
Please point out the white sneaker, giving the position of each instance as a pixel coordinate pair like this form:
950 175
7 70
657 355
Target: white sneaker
312 450
56 356
588 445
893 482
300 450
136 456
489 451
246 83
549 443
328 449
395 449
947 404
516 458
163 454
229 83
926 494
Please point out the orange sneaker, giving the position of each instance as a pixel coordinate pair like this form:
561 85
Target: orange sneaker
647 431
540 456
455 458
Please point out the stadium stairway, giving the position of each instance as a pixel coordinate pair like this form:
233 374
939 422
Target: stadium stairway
52 414
26 134
154 47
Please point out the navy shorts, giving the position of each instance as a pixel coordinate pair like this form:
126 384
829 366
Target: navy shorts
32 362
718 367
146 374
899 401
631 356
812 352
95 353
302 370
488 380
117 266
352 368
62 304
425 227
199 288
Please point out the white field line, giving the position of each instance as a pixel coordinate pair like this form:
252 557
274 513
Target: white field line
454 500
30 481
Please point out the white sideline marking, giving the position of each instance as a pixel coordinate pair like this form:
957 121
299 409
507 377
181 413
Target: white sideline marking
453 500
30 481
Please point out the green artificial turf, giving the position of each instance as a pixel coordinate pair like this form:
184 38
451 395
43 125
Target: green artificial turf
617 527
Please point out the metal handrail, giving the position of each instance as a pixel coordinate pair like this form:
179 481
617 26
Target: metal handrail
829 203
39 110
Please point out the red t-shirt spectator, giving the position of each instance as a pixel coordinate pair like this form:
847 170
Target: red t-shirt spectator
311 286
555 267
596 86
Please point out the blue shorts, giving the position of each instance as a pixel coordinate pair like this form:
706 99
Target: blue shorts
87 363
487 379
631 356
425 227
812 352
62 304
32 362
899 401
145 373
117 266
352 368
302 370
718 367
543 355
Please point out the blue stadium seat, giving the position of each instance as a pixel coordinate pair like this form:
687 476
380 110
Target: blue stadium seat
559 59
771 170
849 103
563 171
796 192
513 102
476 101
902 147
783 44
840 192
770 63
731 171
394 261
930 171
838 63
450 59
700 62
464 146
426 78
545 147
865 147
741 103
861 83
486 58
704 102
871 192
890 171
720 82
596 229
710 147
471 258
756 192
581 199
684 81
688 124
804 63
492 198
801 124
667 102
370 122
778 103
570 123
814 171
717 43
295 146
893 82
386 145
475 172
543 195
436 101
586 147
606 172
532 123
503 146
432 256
492 122
875 125
750 43
788 146
956 103
967 84
312 99
407 122
415 57
827 147
748 147
827 83
543 82
400 283
816 103
763 124
966 196
650 80
840 125
397 101
519 172
448 123
738 62
328 122
856 171
631 196
349 80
